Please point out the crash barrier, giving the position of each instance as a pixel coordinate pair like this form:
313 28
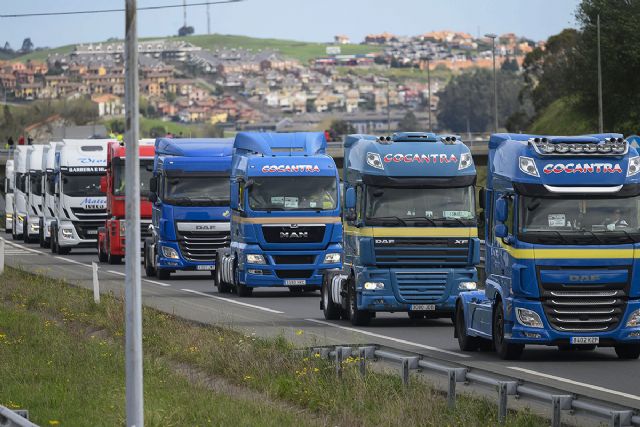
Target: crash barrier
19 418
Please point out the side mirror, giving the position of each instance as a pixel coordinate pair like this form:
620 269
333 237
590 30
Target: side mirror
249 184
153 197
482 194
350 204
502 210
153 184
103 184
501 230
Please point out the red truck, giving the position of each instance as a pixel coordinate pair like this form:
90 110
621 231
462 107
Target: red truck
111 237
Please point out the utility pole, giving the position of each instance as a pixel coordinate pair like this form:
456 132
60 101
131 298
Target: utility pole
388 109
495 81
600 113
133 297
208 20
429 91
184 12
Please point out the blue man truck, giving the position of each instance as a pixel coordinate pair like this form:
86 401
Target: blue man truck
562 236
410 236
285 226
190 215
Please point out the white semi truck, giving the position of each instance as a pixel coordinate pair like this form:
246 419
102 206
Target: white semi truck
8 196
34 193
80 205
20 191
48 193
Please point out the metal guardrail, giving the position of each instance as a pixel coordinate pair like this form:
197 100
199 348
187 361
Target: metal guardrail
9 418
505 386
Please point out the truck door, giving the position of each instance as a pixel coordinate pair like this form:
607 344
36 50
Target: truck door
498 261
351 237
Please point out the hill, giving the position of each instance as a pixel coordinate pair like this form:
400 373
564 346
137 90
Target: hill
561 118
303 51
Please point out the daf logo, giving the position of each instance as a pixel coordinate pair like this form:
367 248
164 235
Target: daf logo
461 242
205 227
385 241
584 277
294 235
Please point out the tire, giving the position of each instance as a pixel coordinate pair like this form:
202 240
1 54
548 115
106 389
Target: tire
54 240
63 250
149 271
628 351
358 317
465 342
113 259
25 233
163 274
243 290
41 235
415 315
330 309
504 349
102 256
223 287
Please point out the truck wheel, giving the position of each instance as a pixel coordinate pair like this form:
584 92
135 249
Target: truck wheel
54 240
149 271
163 274
505 349
113 259
102 256
330 309
223 287
358 317
62 250
628 351
465 342
25 233
243 290
41 235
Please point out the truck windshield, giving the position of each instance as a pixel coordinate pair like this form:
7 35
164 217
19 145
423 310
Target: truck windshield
420 207
293 194
579 220
119 177
81 185
199 190
35 182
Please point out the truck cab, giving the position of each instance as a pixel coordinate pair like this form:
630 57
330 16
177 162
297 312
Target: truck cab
79 204
48 193
410 233
285 226
562 247
21 175
111 237
9 184
34 193
190 212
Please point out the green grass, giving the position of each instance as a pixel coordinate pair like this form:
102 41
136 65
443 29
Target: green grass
561 118
41 55
50 364
399 74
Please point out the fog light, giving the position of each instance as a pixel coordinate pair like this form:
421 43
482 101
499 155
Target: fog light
67 233
532 335
332 258
634 334
255 259
467 286
252 271
528 318
634 319
372 286
34 227
169 252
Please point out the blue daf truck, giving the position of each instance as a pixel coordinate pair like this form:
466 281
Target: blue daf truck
410 233
285 226
562 254
189 189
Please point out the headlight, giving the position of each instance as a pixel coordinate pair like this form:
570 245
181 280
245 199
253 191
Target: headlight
634 319
169 252
20 219
34 227
528 166
372 286
467 286
374 160
333 258
67 233
9 216
634 166
123 227
465 161
255 259
528 318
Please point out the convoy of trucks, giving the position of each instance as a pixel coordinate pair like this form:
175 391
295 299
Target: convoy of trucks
189 190
561 219
562 232
410 237
285 226
111 236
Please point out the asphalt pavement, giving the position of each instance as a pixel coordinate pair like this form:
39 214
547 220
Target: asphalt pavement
271 312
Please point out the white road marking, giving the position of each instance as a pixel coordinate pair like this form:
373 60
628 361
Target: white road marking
72 261
166 285
398 340
257 307
24 248
118 273
568 381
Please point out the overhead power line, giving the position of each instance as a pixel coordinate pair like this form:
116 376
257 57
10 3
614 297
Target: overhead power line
87 12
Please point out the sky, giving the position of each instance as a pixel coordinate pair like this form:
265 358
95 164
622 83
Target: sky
305 20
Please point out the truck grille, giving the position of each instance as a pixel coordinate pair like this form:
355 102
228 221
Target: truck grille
298 234
421 287
202 245
88 229
89 214
572 307
415 251
294 259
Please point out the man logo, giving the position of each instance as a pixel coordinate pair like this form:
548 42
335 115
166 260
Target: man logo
294 235
584 277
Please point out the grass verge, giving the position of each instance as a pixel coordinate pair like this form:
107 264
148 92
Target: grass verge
51 365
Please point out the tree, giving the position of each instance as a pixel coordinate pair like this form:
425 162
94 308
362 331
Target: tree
185 31
157 131
7 47
339 128
409 123
27 45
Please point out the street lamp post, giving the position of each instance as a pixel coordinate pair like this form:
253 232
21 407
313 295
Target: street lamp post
428 58
600 114
495 81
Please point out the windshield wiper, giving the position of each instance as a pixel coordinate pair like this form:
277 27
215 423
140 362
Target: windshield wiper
382 218
629 235
554 232
595 236
458 220
423 218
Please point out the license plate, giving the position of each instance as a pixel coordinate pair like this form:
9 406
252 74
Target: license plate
423 307
92 231
295 282
585 340
205 267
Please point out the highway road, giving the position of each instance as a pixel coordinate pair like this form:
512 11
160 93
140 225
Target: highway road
597 373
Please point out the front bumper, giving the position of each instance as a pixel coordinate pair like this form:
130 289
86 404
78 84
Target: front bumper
180 263
73 240
441 298
517 333
33 226
8 221
47 228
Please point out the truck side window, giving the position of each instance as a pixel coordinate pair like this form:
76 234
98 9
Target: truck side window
240 197
488 211
359 196
510 216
